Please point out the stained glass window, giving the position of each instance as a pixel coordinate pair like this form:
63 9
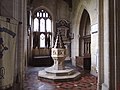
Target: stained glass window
43 25
36 23
42 40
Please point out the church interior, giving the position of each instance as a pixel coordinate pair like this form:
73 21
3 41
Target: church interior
59 45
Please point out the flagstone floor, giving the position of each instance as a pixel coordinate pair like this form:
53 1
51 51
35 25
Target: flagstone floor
31 82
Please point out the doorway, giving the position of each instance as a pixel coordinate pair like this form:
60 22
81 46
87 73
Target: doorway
84 58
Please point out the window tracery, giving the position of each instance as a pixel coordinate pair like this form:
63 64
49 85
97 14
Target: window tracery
42 26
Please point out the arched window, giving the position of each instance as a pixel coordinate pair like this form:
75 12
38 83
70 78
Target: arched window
43 26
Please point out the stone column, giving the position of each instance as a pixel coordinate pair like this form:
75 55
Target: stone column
117 47
104 57
112 44
111 41
21 40
100 46
105 85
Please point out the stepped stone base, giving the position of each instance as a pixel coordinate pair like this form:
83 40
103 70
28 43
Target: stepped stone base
59 75
65 72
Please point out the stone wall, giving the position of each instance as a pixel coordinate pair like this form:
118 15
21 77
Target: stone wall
58 9
77 10
6 8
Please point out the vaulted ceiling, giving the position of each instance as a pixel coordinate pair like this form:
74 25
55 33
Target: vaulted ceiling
69 2
29 2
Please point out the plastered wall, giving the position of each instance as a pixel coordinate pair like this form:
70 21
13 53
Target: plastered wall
91 7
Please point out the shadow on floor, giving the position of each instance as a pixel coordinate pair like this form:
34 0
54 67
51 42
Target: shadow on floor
87 81
31 81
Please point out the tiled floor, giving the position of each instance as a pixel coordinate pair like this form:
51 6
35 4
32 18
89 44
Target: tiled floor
87 82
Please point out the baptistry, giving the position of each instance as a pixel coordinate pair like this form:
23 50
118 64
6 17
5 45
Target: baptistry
58 72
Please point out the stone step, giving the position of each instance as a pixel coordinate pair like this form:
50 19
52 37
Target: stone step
48 76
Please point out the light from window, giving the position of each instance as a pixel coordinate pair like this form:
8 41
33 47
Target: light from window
48 25
40 14
42 40
43 14
37 14
46 14
36 22
42 25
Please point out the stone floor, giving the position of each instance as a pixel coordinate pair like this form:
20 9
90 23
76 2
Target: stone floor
87 82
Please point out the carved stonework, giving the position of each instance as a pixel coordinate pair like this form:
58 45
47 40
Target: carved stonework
63 26
58 71
58 53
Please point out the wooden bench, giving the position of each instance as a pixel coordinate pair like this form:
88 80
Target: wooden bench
41 52
83 62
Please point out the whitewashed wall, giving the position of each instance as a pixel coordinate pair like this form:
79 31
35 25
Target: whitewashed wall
94 49
91 7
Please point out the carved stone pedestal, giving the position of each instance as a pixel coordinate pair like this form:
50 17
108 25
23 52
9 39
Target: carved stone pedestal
58 72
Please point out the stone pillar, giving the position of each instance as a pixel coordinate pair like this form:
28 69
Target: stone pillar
104 57
100 46
117 46
111 35
105 85
21 46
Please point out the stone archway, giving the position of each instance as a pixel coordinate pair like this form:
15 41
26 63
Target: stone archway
85 36
84 60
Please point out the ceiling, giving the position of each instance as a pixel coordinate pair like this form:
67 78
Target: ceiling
69 2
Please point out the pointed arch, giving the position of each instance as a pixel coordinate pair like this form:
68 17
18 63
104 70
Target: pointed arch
44 26
85 34
44 8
